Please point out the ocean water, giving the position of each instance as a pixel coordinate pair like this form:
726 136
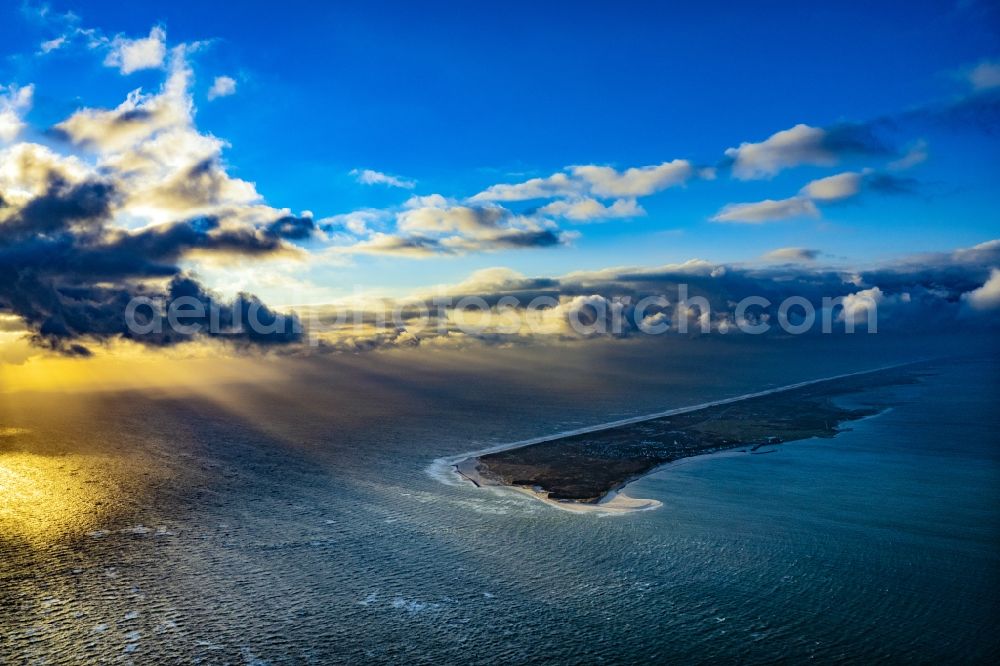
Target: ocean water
297 523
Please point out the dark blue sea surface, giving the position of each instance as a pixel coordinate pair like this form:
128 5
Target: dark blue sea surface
302 526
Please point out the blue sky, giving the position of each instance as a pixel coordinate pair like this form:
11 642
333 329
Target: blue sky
458 97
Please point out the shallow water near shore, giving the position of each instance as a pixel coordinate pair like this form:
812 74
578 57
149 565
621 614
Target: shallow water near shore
879 543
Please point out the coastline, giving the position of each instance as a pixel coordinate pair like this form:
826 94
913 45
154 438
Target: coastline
457 470
614 502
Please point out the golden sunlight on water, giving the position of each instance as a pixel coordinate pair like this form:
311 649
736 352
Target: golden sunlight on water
46 497
122 367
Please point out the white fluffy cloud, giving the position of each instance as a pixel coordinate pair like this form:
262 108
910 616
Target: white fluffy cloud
768 210
831 189
358 222
587 209
26 170
861 305
132 55
432 219
604 181
801 144
223 86
556 185
986 297
434 225
14 102
371 177
834 188
162 168
594 181
428 225
138 117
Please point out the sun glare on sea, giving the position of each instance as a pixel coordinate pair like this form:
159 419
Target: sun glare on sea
43 497
127 367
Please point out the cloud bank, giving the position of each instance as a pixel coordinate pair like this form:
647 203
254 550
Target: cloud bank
933 293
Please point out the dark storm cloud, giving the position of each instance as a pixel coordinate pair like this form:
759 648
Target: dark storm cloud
245 320
70 277
62 204
415 244
292 228
517 238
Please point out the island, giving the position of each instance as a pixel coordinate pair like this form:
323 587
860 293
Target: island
589 467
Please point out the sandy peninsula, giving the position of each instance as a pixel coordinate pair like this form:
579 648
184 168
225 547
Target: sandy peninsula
586 470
